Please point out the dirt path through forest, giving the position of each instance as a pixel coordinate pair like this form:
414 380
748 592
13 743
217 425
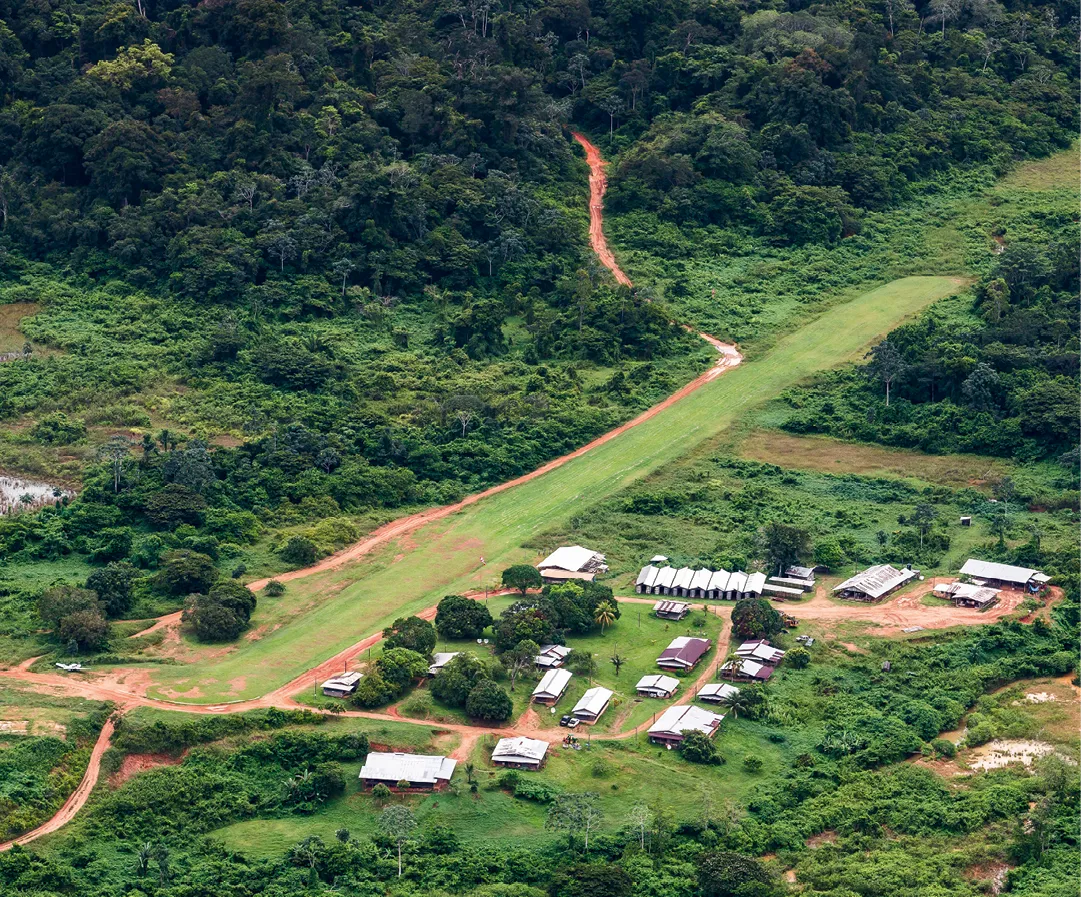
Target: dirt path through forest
77 798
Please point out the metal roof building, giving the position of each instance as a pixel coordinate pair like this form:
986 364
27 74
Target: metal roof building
743 668
761 651
440 660
968 594
551 656
684 652
592 704
671 724
419 770
573 559
875 582
646 578
520 753
671 610
715 692
657 686
990 571
342 685
551 687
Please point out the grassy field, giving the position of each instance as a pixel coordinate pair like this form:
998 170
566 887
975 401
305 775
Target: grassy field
834 456
1060 170
623 774
342 606
12 339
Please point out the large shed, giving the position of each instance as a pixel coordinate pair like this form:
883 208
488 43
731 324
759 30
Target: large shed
342 685
684 652
965 594
875 583
421 771
572 562
993 573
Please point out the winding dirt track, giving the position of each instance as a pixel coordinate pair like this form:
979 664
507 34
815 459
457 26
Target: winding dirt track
77 798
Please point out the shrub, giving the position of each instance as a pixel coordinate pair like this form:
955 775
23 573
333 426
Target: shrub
944 747
698 747
798 658
381 793
58 429
274 589
213 622
184 572
87 629
299 552
752 763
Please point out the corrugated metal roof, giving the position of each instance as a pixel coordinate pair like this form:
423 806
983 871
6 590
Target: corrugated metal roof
755 582
716 691
701 578
552 684
520 749
647 575
665 577
877 581
737 582
718 581
679 719
593 701
416 768
574 558
683 578
658 681
993 570
343 681
750 668
670 607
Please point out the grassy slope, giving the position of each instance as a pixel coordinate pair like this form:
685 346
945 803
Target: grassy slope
445 557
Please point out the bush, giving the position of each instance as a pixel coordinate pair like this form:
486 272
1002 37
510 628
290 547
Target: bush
299 552
58 429
274 589
698 747
798 658
944 748
213 622
752 763
184 572
488 701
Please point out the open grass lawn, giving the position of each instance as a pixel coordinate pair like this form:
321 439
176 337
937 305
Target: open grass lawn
326 613
622 773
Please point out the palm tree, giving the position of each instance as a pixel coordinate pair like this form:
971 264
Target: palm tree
617 661
605 614
736 701
146 852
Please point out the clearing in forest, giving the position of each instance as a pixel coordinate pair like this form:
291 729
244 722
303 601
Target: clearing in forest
446 556
825 455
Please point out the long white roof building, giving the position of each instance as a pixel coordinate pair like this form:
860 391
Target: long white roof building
418 769
681 718
520 751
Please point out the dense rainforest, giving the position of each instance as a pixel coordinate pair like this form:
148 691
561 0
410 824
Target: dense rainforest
350 237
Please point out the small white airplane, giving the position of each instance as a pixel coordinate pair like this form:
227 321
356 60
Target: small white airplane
71 667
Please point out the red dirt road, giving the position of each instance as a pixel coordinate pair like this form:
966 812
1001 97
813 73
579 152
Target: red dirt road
598 183
78 797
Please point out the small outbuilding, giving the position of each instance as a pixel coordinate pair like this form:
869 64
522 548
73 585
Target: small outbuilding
342 686
875 583
684 652
742 670
716 692
965 594
761 651
657 686
801 573
440 660
520 753
592 704
670 727
671 610
423 772
551 656
793 582
551 688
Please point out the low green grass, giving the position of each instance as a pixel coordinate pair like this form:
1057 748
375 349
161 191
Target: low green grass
623 774
1062 170
445 557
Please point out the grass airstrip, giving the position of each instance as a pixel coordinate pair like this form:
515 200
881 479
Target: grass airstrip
324 614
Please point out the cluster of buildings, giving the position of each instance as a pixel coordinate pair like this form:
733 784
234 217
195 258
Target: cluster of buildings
709 584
